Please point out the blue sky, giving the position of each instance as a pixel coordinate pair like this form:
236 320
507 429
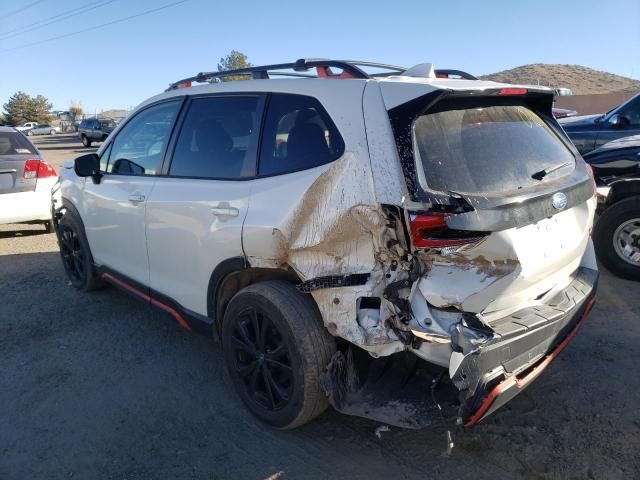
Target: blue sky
122 64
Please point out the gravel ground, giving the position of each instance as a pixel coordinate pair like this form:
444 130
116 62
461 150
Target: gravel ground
102 386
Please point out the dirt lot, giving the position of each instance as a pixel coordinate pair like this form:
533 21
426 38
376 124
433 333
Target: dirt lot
102 386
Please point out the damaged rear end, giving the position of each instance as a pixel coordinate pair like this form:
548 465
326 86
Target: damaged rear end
489 271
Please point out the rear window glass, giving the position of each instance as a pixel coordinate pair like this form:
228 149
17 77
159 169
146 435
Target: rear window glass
487 149
14 143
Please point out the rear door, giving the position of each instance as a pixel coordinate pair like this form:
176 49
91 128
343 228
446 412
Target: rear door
196 210
15 150
115 209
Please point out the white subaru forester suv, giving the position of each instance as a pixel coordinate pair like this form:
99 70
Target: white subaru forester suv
397 244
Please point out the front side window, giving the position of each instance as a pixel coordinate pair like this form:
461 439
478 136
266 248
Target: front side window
138 147
218 139
487 149
298 134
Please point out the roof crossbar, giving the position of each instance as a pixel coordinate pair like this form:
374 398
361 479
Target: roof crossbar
350 69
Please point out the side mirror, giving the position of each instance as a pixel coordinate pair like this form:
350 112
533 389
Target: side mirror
88 166
618 120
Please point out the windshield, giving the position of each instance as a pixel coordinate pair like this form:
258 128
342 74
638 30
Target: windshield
488 149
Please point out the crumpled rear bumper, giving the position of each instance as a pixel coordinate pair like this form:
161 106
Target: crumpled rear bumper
526 343
406 391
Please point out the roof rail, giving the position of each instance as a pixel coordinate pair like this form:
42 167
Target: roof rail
350 69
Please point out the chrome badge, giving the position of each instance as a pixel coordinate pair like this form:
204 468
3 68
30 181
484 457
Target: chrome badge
559 201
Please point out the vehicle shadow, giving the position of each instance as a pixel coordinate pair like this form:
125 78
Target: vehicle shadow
23 233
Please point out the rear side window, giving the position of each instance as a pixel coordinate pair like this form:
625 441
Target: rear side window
298 134
218 139
487 149
14 143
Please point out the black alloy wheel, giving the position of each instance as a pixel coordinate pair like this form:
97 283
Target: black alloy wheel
72 257
262 360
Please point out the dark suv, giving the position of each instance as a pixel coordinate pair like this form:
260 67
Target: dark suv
589 132
95 130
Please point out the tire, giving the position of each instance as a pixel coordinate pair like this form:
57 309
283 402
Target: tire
288 363
85 141
75 254
52 132
609 231
49 226
29 133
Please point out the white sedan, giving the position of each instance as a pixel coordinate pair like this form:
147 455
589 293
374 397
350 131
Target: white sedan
26 180
42 130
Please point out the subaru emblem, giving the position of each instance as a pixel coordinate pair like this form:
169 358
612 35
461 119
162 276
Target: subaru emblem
559 201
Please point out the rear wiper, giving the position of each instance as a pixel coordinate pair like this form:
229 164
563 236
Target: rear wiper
543 173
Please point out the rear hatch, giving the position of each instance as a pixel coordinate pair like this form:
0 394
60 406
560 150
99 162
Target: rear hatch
500 210
17 174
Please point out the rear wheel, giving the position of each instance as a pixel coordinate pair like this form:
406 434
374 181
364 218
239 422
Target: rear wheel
275 347
76 255
617 238
29 133
85 141
49 226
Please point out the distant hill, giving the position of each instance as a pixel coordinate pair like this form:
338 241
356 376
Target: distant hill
582 80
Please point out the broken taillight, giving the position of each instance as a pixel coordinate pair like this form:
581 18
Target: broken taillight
430 230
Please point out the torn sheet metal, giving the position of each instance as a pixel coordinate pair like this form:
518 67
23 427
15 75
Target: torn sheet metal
336 235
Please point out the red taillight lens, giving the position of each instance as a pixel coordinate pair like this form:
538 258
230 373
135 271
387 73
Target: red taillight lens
429 230
31 169
45 170
37 169
513 91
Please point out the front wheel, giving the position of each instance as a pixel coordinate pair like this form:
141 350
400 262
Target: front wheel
617 238
275 348
76 255
29 133
52 132
85 141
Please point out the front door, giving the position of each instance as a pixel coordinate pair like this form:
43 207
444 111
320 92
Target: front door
115 209
196 211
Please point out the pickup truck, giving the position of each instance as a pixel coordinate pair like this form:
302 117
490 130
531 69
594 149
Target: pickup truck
26 126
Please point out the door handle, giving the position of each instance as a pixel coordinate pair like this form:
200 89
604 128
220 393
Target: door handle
8 170
225 211
136 198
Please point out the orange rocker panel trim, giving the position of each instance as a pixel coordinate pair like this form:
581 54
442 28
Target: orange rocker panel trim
179 318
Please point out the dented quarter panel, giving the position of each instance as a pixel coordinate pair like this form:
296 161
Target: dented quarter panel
333 224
